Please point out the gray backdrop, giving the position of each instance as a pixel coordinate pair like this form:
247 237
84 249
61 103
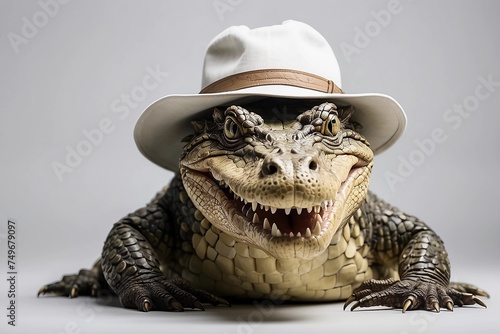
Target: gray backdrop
71 67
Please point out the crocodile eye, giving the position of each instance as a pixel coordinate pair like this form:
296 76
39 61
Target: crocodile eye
330 126
232 129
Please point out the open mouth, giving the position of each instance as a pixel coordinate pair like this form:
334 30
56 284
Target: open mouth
282 222
288 222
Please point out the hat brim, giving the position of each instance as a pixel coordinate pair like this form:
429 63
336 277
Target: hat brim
162 126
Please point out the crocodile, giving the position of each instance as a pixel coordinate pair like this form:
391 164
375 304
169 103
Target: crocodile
275 208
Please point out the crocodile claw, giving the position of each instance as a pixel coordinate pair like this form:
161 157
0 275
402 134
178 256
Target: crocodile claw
435 307
479 301
199 305
42 291
74 292
146 305
410 295
167 295
349 301
354 306
408 303
175 306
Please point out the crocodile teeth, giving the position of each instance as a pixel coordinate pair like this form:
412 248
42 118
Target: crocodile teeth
248 212
266 224
252 216
326 204
317 229
275 232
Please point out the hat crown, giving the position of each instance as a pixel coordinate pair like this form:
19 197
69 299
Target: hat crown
292 45
291 61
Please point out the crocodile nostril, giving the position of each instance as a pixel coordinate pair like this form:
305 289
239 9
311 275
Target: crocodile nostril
291 165
269 168
313 165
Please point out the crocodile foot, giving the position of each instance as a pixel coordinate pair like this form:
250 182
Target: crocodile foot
409 295
166 295
85 283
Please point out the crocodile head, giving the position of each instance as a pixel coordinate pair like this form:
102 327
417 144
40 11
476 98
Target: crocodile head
283 185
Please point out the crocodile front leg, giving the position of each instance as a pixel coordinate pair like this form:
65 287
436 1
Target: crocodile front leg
131 265
423 265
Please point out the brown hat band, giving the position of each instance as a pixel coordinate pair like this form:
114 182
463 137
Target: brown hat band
272 77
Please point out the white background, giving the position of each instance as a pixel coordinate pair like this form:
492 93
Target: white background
67 67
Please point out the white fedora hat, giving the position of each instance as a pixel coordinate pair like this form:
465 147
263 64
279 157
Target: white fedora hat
291 60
